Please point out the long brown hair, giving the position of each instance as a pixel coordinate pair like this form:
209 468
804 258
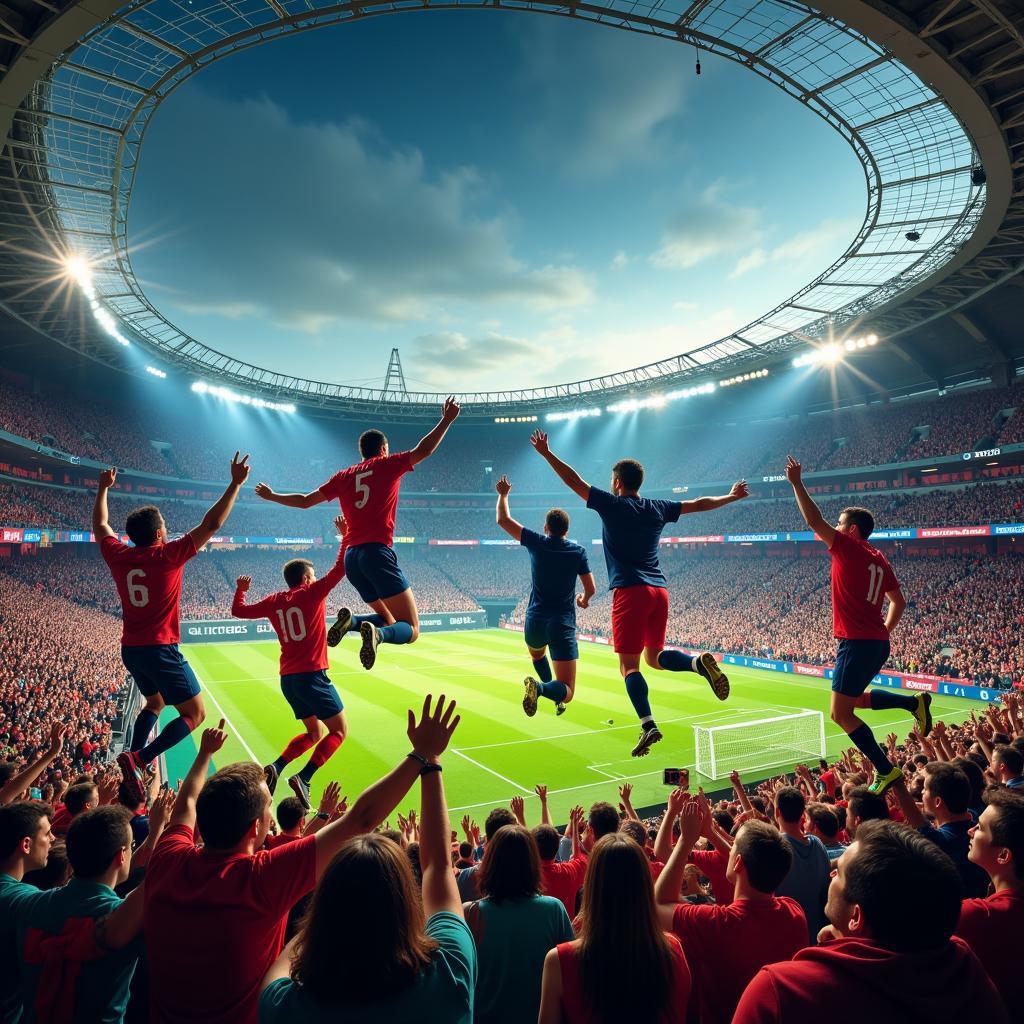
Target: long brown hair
369 884
510 869
620 936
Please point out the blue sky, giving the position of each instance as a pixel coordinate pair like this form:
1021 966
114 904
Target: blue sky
510 200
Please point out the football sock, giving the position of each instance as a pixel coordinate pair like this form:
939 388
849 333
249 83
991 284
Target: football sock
676 661
864 740
398 633
172 733
377 620
553 690
297 746
883 700
324 751
143 727
636 688
543 668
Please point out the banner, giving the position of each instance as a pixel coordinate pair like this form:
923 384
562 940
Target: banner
455 543
928 532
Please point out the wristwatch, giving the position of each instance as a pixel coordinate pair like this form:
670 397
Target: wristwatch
426 766
322 815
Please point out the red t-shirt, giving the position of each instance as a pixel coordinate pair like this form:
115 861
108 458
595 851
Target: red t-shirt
282 839
298 618
861 577
726 946
564 880
993 927
61 820
712 864
215 922
829 781
148 581
368 495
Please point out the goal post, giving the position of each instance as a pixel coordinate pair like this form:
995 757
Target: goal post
762 743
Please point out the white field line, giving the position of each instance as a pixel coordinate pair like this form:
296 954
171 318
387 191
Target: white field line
491 771
227 721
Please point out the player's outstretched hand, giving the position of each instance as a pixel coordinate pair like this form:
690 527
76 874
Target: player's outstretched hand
503 486
213 739
240 469
539 440
793 470
264 491
107 477
450 410
431 734
582 601
740 489
341 525
243 583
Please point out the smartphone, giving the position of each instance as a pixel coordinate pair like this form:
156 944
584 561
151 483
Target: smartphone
672 776
35 793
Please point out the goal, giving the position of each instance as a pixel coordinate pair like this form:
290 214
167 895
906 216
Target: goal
762 743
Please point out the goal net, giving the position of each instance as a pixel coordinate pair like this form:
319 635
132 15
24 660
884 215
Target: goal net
762 743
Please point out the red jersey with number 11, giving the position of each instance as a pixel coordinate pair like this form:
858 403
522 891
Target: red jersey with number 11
368 495
861 577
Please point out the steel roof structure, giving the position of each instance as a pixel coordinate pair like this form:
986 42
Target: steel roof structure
930 97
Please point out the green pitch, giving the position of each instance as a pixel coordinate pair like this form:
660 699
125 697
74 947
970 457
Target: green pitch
497 752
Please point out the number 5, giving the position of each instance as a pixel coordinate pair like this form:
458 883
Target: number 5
362 489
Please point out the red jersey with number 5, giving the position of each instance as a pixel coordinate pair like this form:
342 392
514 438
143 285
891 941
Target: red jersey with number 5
148 581
368 495
861 577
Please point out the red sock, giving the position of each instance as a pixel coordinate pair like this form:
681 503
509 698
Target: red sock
325 749
297 746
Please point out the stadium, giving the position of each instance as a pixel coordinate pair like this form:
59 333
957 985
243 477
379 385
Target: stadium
647 317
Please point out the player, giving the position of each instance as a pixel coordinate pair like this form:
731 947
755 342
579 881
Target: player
860 576
148 580
368 495
631 532
551 615
299 619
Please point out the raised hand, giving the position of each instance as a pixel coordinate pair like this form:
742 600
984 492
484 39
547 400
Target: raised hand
503 486
239 469
213 740
108 786
160 809
542 793
340 525
264 491
243 583
740 489
431 734
466 826
450 410
675 801
793 470
330 798
58 733
625 792
108 477
518 809
539 440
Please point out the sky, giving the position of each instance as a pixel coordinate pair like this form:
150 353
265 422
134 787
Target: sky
510 200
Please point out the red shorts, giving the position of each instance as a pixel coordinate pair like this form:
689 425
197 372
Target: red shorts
639 618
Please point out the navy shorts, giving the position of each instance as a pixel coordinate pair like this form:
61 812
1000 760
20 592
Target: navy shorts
558 636
373 570
160 668
311 695
857 663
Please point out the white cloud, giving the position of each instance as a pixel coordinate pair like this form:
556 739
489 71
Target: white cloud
825 240
477 361
620 260
228 310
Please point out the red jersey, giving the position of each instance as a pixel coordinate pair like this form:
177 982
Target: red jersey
368 495
148 581
298 618
992 927
214 922
283 839
563 880
726 946
861 576
712 864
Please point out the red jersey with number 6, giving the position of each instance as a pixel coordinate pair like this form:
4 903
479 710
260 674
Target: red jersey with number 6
368 495
861 577
148 581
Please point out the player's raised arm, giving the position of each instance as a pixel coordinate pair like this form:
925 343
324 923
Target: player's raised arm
502 515
808 509
267 493
565 472
100 516
738 492
428 443
323 586
218 514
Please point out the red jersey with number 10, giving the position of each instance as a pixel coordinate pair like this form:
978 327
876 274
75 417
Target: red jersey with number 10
148 581
861 577
368 495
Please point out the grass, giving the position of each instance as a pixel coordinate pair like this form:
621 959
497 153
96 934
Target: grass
497 752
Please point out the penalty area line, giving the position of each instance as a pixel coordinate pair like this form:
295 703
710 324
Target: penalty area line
491 771
227 721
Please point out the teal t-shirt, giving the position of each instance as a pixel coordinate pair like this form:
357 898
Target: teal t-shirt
442 994
512 939
14 896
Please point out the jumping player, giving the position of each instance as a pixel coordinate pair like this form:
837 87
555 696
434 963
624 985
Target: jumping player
551 615
148 580
861 574
631 532
299 619
368 495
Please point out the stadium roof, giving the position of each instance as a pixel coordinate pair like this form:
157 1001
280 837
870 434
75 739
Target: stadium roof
923 120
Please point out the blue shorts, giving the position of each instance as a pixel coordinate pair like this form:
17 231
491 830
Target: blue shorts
857 663
311 695
555 634
160 668
373 570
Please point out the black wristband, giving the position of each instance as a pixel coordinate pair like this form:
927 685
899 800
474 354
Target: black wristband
425 766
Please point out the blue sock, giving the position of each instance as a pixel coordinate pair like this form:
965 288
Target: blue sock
399 633
884 700
377 620
676 661
171 734
143 727
543 669
864 740
636 687
553 690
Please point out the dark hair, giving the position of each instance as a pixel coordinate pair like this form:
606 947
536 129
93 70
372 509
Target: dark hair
621 937
371 443
295 571
949 783
510 869
96 837
1008 824
290 812
142 525
498 818
824 819
766 854
630 474
1018 744
230 801
370 881
547 839
861 518
78 796
724 820
892 866
634 829
54 874
868 806
19 821
790 804
1009 758
465 851
8 769
557 522
603 819
975 776
823 764
390 833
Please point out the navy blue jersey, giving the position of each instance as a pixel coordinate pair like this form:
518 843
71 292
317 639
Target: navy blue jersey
632 530
555 563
